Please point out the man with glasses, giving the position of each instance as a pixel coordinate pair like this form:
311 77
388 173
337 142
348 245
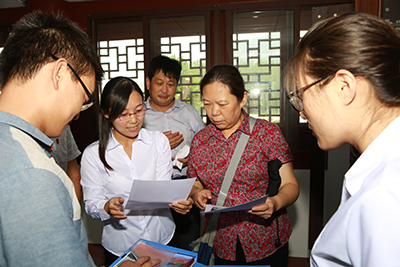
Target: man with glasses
48 73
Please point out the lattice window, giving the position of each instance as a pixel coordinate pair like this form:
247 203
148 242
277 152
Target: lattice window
121 50
123 58
184 39
257 56
191 52
259 40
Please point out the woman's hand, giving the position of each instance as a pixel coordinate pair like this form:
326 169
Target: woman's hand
287 195
200 195
264 210
183 206
113 207
201 198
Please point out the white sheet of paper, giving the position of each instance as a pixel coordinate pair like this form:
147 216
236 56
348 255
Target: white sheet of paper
245 206
150 194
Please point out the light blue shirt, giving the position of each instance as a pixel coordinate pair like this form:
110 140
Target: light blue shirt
39 212
181 117
150 160
364 231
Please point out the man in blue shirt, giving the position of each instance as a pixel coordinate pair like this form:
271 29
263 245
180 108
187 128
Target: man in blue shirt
179 122
48 73
176 119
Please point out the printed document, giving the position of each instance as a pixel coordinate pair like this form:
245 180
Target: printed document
157 194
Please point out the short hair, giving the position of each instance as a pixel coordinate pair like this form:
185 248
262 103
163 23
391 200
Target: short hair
170 67
361 43
36 37
228 75
114 98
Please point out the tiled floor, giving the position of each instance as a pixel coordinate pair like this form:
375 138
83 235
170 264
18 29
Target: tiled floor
96 251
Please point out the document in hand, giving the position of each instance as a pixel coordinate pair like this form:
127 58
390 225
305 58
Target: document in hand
245 206
150 194
170 256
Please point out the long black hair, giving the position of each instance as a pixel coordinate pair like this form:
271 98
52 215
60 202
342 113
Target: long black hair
114 98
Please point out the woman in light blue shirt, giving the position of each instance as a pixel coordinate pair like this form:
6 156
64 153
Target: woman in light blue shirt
344 80
125 152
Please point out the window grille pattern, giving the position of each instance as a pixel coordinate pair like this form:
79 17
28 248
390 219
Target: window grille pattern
257 56
191 52
123 58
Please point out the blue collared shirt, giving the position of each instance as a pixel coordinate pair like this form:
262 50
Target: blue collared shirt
181 117
39 211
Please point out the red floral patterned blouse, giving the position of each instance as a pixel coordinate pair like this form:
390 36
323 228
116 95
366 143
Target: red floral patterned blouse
208 161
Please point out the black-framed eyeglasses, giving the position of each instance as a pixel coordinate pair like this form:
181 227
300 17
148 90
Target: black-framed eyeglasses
295 99
91 100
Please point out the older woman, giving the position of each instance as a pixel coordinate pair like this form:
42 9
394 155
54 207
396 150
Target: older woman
252 236
348 72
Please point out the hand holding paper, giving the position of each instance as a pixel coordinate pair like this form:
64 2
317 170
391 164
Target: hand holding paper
245 206
182 206
264 210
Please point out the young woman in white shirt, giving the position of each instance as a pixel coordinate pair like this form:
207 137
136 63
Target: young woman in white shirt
125 152
344 80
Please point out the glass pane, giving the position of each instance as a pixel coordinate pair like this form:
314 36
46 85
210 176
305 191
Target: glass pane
259 40
183 39
121 51
391 12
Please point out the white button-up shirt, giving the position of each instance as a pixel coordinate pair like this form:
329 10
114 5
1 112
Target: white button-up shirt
151 160
365 230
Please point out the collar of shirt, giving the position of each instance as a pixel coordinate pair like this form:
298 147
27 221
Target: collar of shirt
243 127
45 142
372 157
177 105
113 143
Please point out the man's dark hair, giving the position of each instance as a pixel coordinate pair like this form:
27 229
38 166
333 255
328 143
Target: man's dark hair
37 36
170 67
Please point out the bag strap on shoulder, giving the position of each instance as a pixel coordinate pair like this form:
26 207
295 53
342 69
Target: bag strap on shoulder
230 172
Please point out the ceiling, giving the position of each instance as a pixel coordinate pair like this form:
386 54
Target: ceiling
19 3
